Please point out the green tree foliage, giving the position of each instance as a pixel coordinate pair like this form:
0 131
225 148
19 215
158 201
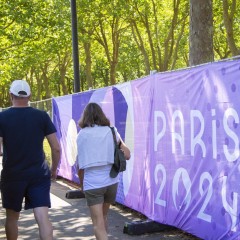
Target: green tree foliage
35 40
119 40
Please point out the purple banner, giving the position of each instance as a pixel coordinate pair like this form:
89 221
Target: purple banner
183 131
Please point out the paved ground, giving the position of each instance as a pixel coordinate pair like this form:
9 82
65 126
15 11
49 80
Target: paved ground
70 218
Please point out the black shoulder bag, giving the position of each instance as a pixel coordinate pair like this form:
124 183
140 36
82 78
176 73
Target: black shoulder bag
119 164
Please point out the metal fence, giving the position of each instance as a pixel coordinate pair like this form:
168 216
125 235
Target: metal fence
45 105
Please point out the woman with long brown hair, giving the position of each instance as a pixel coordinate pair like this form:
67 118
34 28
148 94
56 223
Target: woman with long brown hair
95 159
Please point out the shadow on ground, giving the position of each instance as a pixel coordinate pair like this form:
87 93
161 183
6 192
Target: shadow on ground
71 220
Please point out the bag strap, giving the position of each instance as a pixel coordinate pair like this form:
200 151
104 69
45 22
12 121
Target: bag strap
114 136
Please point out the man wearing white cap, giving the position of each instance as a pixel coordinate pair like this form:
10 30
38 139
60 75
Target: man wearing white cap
25 173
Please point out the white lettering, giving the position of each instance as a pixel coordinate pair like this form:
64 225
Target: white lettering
235 155
176 136
198 138
232 211
158 135
214 135
197 128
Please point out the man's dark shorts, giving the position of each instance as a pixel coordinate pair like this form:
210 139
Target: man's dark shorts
101 195
36 193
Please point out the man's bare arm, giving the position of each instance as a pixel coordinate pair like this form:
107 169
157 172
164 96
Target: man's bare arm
56 153
1 141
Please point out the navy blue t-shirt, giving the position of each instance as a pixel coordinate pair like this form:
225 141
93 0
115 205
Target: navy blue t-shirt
23 131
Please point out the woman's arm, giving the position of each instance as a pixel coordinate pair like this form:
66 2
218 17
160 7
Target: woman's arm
125 149
81 176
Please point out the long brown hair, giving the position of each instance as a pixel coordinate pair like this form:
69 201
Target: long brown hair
93 114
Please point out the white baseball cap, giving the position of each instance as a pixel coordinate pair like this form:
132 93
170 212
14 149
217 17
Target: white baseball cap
20 88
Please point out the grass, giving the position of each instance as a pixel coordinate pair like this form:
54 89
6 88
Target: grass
47 150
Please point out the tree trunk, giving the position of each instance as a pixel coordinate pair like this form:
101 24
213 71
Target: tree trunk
113 74
112 57
62 81
147 25
139 41
228 22
201 32
38 96
157 34
63 62
88 62
46 81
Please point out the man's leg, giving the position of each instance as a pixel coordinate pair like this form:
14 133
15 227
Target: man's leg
98 221
1 150
11 225
45 226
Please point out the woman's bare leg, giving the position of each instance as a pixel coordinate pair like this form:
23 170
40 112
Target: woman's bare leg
98 221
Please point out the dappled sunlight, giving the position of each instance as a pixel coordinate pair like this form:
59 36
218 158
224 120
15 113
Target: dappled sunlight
58 202
71 220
